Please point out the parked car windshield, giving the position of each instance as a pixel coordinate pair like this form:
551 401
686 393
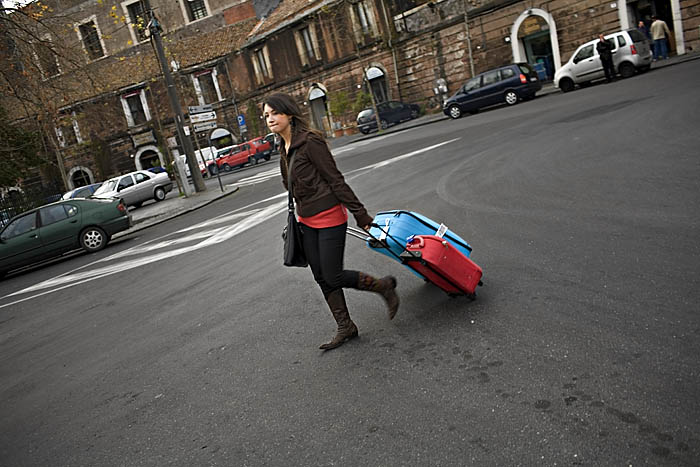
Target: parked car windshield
109 185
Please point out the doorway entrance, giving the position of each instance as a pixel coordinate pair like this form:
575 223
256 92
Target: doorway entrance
538 49
534 35
317 99
80 178
377 83
149 158
643 10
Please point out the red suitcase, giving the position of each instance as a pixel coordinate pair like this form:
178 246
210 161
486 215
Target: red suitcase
442 264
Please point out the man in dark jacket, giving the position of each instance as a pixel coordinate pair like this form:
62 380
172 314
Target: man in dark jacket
604 49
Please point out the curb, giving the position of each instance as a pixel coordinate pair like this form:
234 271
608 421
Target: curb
155 220
438 117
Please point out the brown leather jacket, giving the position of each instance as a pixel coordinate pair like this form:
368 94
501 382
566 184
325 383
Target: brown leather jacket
318 184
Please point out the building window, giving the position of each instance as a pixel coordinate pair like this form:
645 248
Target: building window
206 86
68 131
137 20
91 39
135 108
261 64
196 9
47 58
363 20
307 45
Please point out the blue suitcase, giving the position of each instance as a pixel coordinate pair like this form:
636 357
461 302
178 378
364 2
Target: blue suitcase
403 224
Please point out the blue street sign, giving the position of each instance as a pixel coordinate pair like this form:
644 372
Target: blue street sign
241 120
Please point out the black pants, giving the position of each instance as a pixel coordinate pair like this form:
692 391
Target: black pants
324 250
609 69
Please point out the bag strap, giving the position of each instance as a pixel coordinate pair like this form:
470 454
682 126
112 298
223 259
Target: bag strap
290 200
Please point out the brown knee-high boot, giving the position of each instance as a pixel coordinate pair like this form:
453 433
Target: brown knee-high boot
346 328
386 287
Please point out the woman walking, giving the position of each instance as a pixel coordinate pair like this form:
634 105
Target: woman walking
321 197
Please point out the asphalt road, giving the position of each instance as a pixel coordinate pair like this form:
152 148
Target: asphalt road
189 344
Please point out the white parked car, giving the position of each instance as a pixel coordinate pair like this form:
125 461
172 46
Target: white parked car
631 53
136 187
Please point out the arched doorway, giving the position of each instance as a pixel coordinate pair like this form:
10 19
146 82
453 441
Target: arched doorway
80 176
534 40
317 100
147 157
377 83
534 35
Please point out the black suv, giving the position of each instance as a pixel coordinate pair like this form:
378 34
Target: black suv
506 84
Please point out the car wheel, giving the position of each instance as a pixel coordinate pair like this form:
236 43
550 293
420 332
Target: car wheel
159 194
364 131
267 158
455 111
138 205
414 114
566 85
226 167
93 239
626 70
511 97
384 124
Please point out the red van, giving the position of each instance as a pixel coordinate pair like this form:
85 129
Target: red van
246 153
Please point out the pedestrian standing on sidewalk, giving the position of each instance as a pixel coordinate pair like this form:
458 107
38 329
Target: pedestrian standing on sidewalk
604 49
321 197
659 34
641 27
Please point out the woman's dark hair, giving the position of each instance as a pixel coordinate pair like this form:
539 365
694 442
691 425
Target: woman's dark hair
285 104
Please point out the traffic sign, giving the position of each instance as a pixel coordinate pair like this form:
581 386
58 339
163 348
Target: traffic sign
204 126
241 121
199 109
203 117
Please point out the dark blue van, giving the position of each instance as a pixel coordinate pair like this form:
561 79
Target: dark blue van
507 84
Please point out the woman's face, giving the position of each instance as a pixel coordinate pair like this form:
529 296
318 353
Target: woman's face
277 122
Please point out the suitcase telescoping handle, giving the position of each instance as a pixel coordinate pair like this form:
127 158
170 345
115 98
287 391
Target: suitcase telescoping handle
364 235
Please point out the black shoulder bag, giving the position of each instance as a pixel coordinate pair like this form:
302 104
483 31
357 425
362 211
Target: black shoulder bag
293 246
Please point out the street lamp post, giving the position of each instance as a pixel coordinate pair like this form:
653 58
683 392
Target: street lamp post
154 28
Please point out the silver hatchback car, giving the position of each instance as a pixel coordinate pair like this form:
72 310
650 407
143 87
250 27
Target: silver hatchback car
136 187
631 53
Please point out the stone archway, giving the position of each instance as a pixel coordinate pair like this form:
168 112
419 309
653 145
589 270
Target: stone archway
517 45
317 97
80 176
376 77
146 155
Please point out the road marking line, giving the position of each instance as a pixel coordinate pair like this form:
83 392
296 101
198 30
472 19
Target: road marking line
217 235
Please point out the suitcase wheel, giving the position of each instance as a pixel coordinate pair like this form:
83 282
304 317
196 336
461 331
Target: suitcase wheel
481 283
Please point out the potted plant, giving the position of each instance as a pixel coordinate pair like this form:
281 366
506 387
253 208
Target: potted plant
339 106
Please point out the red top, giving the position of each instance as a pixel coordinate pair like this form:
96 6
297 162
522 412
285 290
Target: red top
332 217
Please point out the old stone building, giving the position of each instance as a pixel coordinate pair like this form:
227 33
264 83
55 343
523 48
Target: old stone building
111 113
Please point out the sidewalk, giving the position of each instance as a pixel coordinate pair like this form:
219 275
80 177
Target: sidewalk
174 205
427 119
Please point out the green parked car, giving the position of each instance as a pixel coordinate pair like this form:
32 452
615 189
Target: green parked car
57 228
